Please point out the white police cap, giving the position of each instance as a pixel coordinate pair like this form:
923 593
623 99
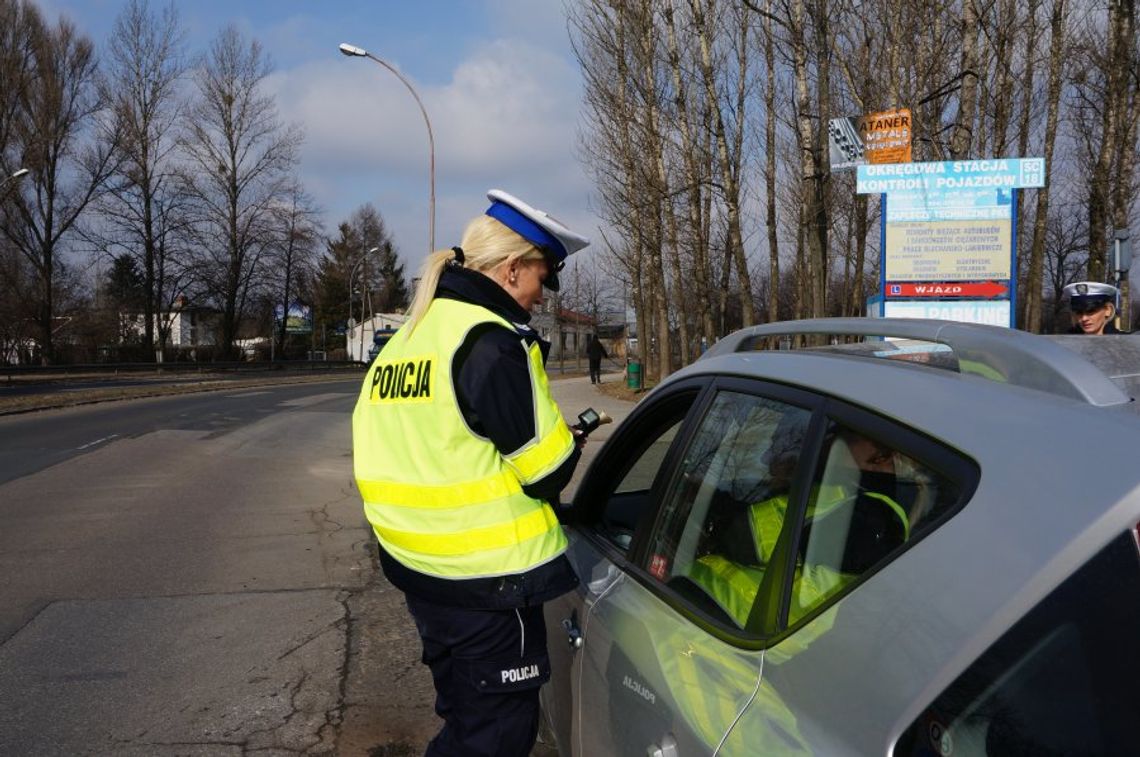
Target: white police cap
1090 293
537 227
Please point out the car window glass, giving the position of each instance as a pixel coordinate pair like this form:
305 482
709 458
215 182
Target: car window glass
706 544
1060 681
626 502
867 499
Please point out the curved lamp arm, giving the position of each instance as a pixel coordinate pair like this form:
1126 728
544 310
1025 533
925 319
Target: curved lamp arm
359 52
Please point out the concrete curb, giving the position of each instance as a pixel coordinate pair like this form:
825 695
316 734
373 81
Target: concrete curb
54 400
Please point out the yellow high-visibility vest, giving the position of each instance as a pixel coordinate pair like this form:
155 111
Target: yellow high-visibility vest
441 499
733 587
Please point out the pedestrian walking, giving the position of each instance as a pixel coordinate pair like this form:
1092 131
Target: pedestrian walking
459 449
595 351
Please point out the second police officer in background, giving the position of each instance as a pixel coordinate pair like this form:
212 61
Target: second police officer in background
1093 308
459 449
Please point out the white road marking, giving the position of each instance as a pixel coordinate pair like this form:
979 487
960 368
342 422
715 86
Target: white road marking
315 399
243 394
98 441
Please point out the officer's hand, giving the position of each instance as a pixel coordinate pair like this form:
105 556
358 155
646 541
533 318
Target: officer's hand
579 437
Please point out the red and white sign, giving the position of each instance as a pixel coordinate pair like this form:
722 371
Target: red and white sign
975 289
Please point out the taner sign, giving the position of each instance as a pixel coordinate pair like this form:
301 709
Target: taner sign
873 138
886 136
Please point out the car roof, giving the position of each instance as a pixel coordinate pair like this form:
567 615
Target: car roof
1015 357
1117 355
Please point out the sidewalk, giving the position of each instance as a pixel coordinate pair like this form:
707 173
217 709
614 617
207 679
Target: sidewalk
574 395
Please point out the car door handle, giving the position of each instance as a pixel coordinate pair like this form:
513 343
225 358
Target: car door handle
667 747
573 635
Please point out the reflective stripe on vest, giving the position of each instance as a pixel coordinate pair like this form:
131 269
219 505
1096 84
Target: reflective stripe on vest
733 587
442 500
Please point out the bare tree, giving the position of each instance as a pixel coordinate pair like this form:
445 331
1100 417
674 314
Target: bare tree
1057 45
239 156
963 135
770 217
606 48
57 130
694 178
1124 174
729 138
293 258
143 211
1112 70
814 170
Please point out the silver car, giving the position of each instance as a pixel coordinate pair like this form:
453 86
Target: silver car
925 545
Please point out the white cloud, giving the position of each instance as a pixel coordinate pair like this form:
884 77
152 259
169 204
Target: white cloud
505 119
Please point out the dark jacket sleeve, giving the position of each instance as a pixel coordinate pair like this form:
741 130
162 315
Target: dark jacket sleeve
493 387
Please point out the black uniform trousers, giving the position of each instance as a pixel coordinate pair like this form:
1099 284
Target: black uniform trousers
488 666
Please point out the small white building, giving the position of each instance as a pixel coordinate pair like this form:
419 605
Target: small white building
190 325
360 334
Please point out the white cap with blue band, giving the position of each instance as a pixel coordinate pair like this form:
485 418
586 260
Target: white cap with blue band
538 228
1089 295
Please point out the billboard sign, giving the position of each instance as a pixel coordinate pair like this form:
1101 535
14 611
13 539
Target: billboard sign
875 138
986 312
948 233
299 320
969 289
949 250
845 143
886 136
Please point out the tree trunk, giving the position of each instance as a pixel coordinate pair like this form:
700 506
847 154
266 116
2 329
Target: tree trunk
1123 191
770 218
729 164
1099 190
858 292
968 99
1033 304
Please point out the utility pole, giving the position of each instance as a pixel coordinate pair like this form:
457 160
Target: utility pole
1122 264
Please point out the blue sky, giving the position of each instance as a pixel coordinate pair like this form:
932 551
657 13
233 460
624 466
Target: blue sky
497 77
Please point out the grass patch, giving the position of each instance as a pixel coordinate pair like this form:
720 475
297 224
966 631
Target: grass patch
619 390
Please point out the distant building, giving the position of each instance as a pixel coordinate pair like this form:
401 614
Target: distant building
190 325
359 343
569 332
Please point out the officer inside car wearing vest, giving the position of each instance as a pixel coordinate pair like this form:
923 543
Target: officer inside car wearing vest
1093 308
459 448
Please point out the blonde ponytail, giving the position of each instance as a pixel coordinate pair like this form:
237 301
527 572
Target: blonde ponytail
486 244
429 279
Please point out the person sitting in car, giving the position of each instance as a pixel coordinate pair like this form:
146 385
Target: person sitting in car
852 521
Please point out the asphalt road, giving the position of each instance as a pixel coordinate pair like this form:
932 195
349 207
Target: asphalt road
192 575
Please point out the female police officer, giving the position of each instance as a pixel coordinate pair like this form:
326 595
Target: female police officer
458 449
1093 307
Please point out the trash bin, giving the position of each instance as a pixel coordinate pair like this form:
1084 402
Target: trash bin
633 374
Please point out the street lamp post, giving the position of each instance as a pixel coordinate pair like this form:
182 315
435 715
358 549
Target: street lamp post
351 277
19 174
359 52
